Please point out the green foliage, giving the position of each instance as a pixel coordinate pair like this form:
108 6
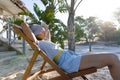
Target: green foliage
79 32
46 15
62 7
58 31
86 28
14 20
91 28
79 24
57 28
45 2
37 11
30 18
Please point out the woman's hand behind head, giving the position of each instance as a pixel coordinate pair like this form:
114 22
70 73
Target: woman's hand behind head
41 31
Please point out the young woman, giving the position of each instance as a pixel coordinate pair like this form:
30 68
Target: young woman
68 60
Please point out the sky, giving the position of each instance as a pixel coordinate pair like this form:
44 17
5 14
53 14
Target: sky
103 9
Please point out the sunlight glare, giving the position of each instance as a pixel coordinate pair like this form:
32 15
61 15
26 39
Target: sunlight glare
102 9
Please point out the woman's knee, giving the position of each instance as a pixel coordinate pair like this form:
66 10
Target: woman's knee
113 58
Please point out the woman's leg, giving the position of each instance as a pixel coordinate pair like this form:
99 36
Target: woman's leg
102 60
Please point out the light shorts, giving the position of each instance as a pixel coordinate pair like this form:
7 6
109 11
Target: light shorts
69 61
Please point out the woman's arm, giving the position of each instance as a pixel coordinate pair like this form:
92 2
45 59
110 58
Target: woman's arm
46 31
28 32
47 34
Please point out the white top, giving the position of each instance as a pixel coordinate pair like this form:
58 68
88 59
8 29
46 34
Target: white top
51 49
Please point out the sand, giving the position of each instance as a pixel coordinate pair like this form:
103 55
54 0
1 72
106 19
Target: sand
13 68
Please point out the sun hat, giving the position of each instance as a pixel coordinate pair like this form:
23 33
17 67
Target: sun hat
36 28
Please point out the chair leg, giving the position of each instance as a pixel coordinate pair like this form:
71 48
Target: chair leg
30 65
85 78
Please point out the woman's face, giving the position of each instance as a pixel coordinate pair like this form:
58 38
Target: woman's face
41 35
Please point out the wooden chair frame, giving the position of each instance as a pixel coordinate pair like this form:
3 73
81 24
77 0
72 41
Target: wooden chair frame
37 51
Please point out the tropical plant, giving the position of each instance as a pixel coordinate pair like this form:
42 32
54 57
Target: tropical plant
57 27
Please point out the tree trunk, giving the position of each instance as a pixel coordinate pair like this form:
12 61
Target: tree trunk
70 24
90 49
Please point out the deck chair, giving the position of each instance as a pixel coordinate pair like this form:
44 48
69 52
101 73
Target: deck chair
37 51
